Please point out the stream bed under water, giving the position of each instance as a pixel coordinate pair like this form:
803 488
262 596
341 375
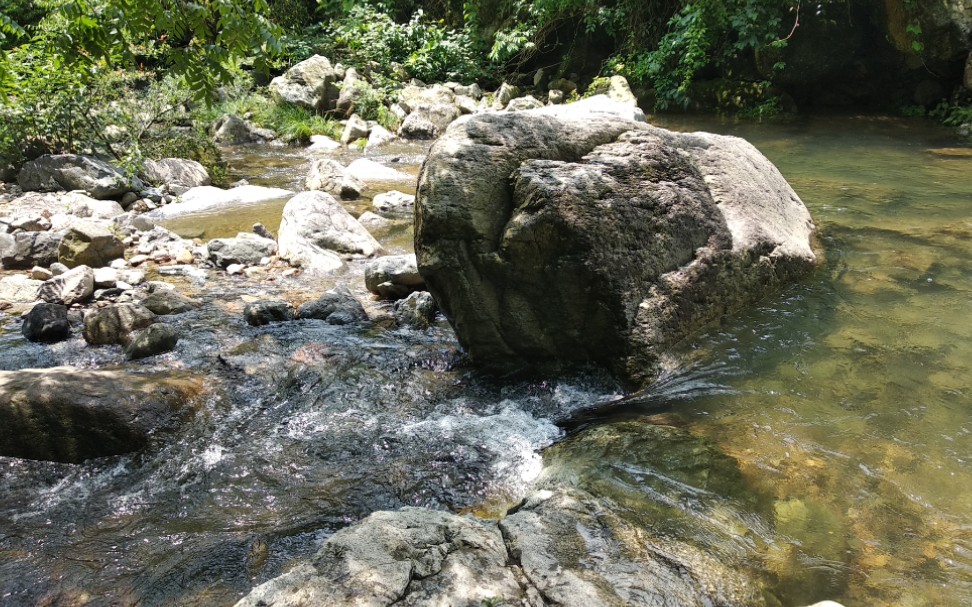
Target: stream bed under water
822 440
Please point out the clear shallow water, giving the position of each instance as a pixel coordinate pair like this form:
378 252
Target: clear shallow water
846 403
821 441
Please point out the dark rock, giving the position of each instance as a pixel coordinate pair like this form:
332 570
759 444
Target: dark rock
114 324
336 307
590 237
265 312
66 414
416 311
47 322
165 301
67 172
261 230
90 244
154 339
24 250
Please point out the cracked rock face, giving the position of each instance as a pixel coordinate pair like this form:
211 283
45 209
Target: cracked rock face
580 237
561 548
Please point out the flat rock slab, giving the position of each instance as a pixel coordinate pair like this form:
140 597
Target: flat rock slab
67 414
210 199
561 548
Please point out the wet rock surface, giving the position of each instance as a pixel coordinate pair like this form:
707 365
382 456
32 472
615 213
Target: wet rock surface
69 415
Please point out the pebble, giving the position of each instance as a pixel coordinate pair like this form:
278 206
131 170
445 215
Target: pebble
39 273
138 259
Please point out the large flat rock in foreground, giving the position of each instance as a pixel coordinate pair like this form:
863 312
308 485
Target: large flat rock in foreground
587 236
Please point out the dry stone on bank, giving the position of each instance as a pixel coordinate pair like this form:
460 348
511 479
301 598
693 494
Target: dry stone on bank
586 236
312 83
316 232
24 250
89 243
67 172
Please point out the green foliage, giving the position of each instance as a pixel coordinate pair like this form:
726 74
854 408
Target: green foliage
429 51
294 124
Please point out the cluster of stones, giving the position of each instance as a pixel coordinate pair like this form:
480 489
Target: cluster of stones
421 112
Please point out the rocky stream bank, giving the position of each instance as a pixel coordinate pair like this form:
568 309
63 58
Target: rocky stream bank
155 325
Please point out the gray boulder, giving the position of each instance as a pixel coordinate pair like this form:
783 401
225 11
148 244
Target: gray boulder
265 312
315 231
67 172
411 97
82 205
67 414
179 174
336 307
47 323
312 83
524 103
246 248
354 90
379 137
233 130
167 301
74 286
330 176
24 250
355 129
591 237
151 341
417 124
416 311
90 244
393 276
394 202
114 324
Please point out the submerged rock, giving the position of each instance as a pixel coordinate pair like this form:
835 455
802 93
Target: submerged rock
154 339
167 301
207 199
67 414
265 312
591 237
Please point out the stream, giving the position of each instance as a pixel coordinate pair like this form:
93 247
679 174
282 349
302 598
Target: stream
821 441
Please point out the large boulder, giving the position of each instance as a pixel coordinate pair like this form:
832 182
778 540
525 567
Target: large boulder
66 172
179 174
246 248
410 97
66 414
89 243
24 250
312 83
316 231
591 237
